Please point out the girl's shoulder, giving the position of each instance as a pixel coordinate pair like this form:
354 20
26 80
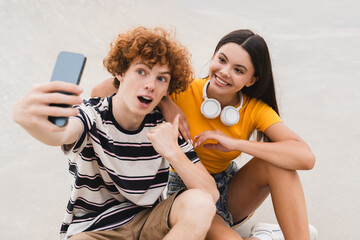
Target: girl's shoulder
260 113
194 90
199 82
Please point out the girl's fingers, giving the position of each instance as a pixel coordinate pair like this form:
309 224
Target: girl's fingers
199 141
209 146
185 131
202 137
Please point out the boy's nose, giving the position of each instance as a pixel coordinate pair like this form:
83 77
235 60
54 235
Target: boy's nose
150 84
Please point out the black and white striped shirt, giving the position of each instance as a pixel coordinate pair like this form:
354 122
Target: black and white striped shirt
115 173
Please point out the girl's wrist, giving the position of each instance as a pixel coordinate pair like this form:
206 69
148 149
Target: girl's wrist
239 145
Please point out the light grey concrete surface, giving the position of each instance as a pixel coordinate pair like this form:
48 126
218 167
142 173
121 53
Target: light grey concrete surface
316 59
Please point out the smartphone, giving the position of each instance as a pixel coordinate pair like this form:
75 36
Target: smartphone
68 68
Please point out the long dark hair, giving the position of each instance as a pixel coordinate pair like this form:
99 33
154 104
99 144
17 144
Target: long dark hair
256 47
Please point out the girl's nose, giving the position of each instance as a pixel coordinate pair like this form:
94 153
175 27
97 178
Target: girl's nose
225 71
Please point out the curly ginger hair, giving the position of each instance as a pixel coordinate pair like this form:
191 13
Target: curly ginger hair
152 46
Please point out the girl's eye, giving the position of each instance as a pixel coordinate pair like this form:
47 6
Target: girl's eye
221 59
238 70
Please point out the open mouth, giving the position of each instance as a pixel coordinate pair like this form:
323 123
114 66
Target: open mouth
145 100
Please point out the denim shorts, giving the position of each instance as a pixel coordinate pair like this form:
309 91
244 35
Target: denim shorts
222 180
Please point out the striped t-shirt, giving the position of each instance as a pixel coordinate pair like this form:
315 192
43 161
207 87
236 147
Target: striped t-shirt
115 173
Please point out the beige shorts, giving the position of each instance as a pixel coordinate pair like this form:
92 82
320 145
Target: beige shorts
152 223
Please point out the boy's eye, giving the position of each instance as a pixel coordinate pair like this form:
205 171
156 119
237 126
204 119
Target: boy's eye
162 79
141 72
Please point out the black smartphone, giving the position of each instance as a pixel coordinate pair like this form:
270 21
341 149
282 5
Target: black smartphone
68 68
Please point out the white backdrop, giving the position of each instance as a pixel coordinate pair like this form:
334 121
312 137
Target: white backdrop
315 53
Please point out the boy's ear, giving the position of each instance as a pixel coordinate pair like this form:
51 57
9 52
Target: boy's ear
252 81
119 76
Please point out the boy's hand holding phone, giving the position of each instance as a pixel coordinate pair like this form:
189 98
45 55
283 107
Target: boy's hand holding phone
32 111
68 68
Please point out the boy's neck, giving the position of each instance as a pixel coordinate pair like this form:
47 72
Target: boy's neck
127 120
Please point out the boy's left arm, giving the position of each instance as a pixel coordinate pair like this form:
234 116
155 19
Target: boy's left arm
195 176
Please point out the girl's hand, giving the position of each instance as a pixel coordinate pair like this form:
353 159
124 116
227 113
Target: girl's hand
170 110
224 142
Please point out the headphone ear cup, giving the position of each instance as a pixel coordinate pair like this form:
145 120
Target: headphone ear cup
229 116
211 108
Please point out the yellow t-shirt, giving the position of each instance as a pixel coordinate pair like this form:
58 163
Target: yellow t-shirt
254 114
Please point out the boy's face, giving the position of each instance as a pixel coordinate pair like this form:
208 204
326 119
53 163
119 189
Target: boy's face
143 87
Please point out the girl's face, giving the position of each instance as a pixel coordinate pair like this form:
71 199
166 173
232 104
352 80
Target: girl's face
230 70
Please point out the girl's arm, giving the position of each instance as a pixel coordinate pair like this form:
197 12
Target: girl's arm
287 150
33 109
104 89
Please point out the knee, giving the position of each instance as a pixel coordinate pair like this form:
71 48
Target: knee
197 207
273 172
200 202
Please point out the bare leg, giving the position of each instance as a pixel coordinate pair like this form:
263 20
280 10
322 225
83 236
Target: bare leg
219 230
191 215
251 185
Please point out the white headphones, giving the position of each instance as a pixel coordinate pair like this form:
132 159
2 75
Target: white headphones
211 109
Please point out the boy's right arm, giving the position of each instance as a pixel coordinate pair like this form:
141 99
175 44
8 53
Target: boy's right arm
32 111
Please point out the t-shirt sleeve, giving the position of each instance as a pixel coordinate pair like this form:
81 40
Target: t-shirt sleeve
178 98
264 116
188 150
85 118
